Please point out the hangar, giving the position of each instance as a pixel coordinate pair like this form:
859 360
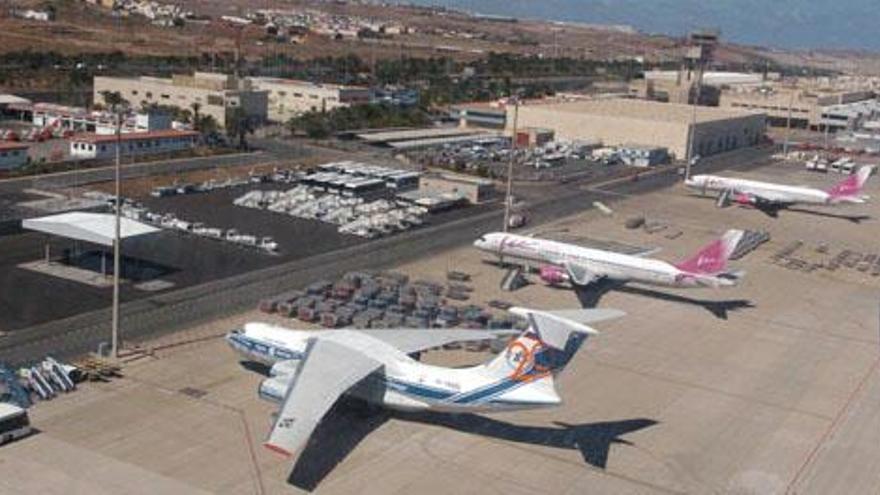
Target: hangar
620 121
91 228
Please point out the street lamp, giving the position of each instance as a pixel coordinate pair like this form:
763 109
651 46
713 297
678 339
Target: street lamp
507 196
114 339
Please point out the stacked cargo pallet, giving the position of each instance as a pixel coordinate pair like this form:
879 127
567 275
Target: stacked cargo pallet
383 300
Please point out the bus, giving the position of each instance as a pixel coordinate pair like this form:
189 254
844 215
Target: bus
14 423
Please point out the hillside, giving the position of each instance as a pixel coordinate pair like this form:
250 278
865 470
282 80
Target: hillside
793 24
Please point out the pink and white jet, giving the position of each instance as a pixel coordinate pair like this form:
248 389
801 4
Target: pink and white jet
561 262
768 195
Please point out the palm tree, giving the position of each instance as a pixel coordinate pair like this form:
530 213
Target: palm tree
196 106
112 99
239 125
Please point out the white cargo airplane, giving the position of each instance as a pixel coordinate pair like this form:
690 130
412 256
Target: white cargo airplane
310 370
770 196
562 262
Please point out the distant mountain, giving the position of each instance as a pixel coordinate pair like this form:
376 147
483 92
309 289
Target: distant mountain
838 24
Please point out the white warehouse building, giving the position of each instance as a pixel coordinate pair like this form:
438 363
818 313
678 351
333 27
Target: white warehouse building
103 146
289 98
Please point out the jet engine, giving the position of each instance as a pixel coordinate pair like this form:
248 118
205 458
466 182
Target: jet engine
743 199
553 275
284 368
274 389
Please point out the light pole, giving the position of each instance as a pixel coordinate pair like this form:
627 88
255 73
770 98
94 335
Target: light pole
507 197
788 125
692 130
114 339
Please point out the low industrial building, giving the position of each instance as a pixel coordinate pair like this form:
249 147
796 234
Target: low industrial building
103 146
643 156
13 155
479 114
619 121
288 98
215 94
532 137
409 139
471 189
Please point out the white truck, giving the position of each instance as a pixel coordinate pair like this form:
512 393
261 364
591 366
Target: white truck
14 423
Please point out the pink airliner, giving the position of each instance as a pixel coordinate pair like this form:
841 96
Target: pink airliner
770 195
561 262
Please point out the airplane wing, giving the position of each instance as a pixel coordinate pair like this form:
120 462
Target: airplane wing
414 340
646 252
327 372
580 275
759 198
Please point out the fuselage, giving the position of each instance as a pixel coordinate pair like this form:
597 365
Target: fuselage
785 193
403 384
608 264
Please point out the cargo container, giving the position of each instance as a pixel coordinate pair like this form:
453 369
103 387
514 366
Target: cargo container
321 287
415 322
268 305
394 320
307 314
377 304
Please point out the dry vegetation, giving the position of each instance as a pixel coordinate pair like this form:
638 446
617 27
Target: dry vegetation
85 28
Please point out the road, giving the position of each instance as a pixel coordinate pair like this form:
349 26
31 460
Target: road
174 310
267 150
129 171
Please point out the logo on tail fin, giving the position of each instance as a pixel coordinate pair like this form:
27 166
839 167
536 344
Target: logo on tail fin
713 258
522 358
851 186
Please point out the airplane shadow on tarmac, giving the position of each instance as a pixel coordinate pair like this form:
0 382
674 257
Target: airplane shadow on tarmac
589 298
857 219
345 426
772 211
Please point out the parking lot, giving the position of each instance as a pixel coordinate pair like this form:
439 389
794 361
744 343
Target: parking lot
778 395
32 298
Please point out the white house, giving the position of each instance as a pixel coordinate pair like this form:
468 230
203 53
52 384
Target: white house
100 146
13 155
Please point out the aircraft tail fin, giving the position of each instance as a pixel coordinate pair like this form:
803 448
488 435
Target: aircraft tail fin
852 185
712 259
549 342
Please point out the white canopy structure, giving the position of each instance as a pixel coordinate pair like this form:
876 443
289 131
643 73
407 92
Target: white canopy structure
97 228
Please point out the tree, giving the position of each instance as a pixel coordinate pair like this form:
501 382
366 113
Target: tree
196 106
206 124
238 126
113 99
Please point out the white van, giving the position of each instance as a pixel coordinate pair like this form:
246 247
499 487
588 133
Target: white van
14 423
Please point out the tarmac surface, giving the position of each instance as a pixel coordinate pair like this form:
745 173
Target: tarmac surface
171 310
778 393
181 260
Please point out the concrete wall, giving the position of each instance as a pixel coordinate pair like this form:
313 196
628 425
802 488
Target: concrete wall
215 103
612 131
473 190
288 99
712 136
805 111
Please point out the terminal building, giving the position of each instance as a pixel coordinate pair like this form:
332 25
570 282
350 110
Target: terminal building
680 86
217 95
802 107
288 98
620 121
